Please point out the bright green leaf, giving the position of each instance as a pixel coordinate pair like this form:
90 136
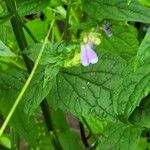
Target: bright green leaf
145 2
34 26
5 141
5 51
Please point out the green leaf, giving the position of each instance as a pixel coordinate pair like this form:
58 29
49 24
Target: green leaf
37 91
5 141
68 138
134 87
50 72
3 33
145 2
141 115
117 10
120 137
49 55
144 51
5 51
34 26
123 41
87 91
27 7
97 126
13 79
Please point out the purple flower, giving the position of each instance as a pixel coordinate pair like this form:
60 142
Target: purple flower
88 55
107 29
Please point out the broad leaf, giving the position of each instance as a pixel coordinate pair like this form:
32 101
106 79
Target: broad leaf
143 51
119 137
96 126
123 41
141 115
117 10
12 81
26 7
49 55
135 86
5 51
88 91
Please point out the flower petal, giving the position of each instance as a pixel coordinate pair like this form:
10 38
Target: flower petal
92 56
84 56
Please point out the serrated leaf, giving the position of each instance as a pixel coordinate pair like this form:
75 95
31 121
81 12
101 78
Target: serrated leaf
27 7
141 115
36 91
49 55
123 41
135 86
119 137
117 10
5 51
12 81
88 91
144 51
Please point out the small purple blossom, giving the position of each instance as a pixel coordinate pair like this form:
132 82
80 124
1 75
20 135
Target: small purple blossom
107 29
88 55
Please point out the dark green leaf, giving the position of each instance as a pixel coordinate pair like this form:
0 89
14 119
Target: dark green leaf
12 81
49 55
117 10
26 7
135 86
143 51
141 115
88 91
119 137
123 41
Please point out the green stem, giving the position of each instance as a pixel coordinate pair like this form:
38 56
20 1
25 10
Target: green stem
20 37
24 87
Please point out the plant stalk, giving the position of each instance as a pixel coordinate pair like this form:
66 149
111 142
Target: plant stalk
21 40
